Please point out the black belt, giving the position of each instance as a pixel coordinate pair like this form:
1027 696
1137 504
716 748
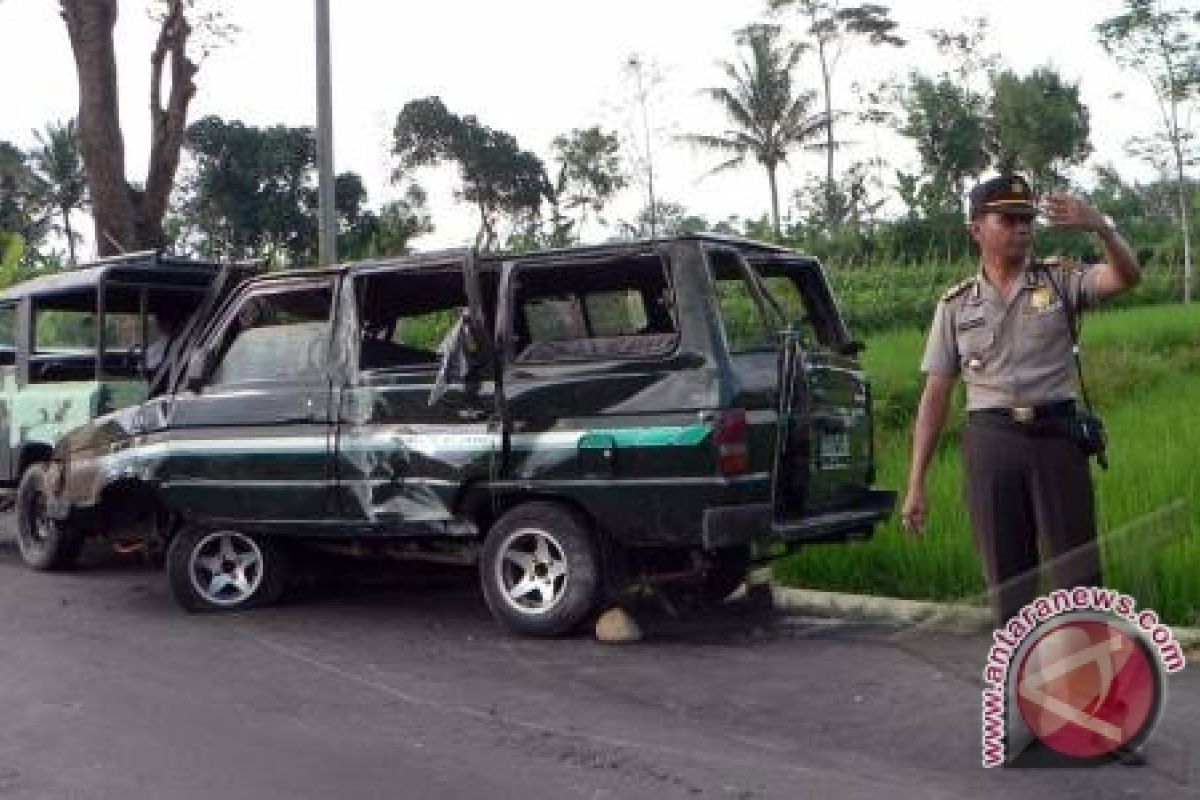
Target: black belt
1023 415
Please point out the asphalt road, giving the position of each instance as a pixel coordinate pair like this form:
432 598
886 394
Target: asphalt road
401 686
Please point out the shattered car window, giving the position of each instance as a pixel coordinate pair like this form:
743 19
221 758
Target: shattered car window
406 317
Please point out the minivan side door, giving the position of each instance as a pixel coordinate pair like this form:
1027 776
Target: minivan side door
251 442
415 425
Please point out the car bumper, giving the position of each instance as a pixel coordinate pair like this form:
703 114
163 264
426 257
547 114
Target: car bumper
730 526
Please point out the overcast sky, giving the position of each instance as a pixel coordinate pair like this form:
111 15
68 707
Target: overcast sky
537 68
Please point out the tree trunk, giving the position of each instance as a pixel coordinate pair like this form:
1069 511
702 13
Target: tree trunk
66 215
90 26
774 201
827 79
126 219
1184 223
168 123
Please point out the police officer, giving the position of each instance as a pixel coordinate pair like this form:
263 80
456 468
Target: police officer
1005 331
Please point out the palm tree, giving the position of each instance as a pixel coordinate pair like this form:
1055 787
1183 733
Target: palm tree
770 117
58 168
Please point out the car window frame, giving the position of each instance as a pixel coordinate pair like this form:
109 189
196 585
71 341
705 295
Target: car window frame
359 373
509 319
229 313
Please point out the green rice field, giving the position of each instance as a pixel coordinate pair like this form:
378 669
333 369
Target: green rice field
1143 371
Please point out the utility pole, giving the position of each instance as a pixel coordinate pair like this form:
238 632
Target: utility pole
327 219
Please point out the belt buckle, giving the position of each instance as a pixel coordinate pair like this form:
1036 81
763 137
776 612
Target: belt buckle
1023 414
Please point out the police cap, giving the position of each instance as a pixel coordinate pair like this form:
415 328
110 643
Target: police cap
1008 194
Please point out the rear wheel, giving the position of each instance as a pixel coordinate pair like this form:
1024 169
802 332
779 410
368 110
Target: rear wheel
541 570
45 543
224 570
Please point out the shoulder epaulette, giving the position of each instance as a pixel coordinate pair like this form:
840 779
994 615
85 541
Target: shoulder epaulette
957 289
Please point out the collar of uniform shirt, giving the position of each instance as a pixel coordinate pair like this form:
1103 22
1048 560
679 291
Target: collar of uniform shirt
1031 281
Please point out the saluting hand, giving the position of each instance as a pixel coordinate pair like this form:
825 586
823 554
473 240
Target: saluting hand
1070 211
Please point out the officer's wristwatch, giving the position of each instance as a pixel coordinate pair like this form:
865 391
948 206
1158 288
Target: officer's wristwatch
1108 227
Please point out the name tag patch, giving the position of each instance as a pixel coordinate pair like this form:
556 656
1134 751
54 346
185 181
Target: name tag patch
970 323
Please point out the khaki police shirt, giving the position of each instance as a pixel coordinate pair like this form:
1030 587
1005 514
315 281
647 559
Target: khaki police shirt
1014 353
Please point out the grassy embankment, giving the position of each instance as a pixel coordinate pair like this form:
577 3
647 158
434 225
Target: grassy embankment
1143 370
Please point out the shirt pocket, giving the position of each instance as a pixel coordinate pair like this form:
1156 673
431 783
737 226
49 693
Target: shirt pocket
1049 324
975 344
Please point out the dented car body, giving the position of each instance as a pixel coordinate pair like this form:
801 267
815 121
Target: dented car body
569 420
78 344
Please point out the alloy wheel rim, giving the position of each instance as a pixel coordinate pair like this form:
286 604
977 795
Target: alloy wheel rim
532 570
226 568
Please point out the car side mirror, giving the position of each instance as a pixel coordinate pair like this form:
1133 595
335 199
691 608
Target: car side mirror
197 369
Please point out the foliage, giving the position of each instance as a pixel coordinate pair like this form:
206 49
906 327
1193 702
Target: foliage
589 172
1163 44
668 218
389 232
770 116
20 210
832 28
948 125
1141 370
498 177
1037 125
61 181
250 193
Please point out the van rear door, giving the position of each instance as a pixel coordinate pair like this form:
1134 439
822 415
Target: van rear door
822 462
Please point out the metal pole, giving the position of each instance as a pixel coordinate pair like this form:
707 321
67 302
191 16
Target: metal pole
327 219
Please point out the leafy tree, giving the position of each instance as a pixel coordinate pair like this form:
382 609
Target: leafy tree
129 216
61 180
770 117
22 216
498 177
388 232
589 171
948 124
1164 45
967 48
1038 125
667 219
250 192
833 28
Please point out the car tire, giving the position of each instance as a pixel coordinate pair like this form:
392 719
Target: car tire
727 572
224 570
541 570
45 543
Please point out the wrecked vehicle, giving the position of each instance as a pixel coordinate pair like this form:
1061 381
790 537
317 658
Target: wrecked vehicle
574 422
77 345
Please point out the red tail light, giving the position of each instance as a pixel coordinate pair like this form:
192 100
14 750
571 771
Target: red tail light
731 438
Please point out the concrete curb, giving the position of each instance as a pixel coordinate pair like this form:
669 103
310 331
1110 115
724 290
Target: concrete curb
941 617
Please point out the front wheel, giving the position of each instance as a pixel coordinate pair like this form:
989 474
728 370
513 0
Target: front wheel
541 571
45 543
224 570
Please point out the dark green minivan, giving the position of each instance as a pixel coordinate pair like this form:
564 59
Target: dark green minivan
571 421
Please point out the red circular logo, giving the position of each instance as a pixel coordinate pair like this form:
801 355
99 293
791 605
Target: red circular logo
1087 688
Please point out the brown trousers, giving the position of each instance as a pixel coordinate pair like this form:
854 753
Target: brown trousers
1028 492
